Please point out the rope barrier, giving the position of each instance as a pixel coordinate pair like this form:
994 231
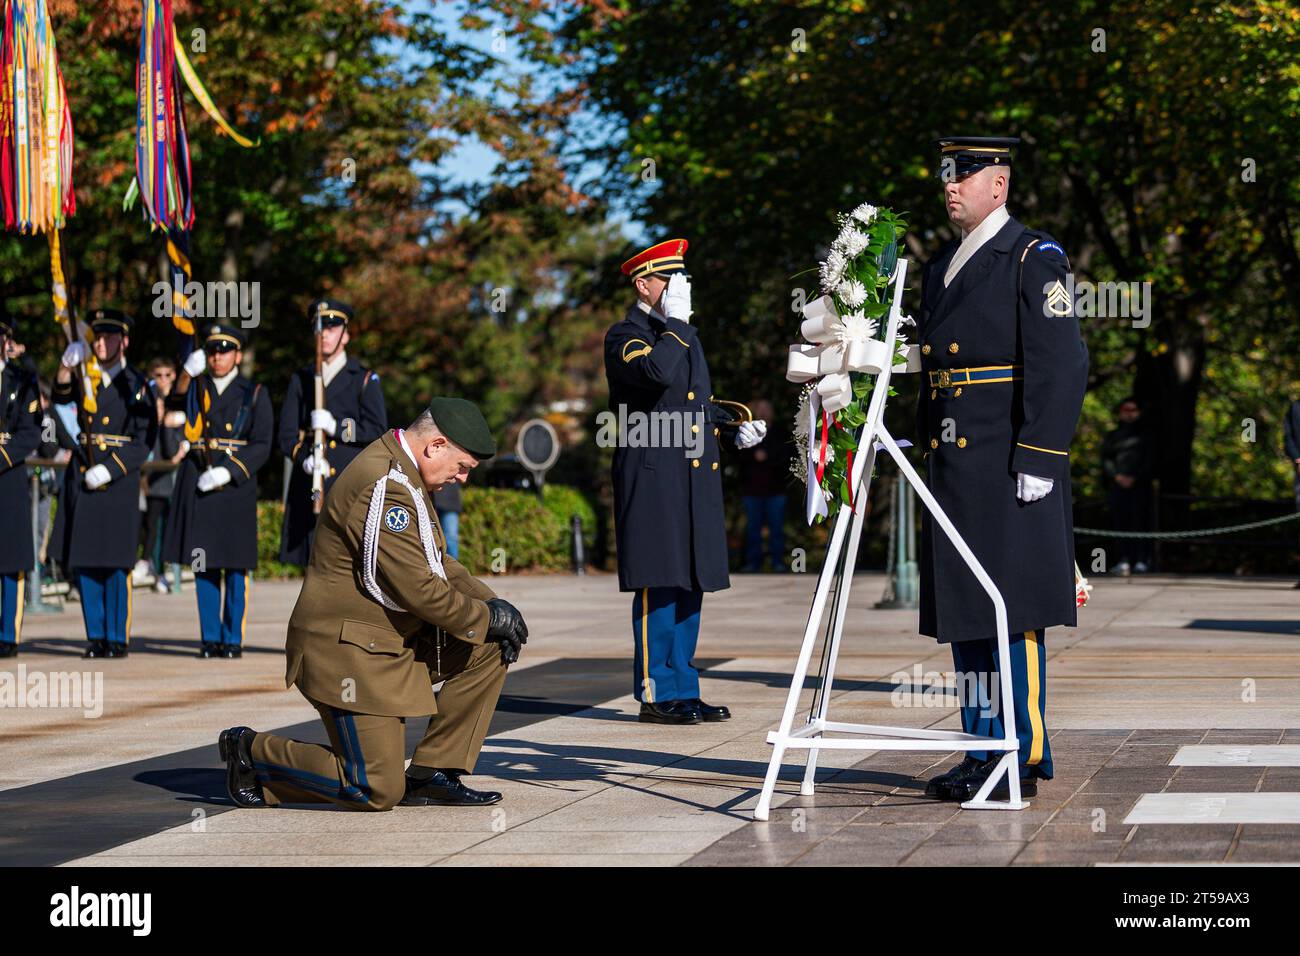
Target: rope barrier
1204 533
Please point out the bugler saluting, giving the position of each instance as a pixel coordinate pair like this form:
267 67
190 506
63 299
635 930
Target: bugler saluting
668 516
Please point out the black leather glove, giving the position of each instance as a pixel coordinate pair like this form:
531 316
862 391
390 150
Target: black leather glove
506 626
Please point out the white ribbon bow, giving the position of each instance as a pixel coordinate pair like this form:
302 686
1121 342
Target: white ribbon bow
838 346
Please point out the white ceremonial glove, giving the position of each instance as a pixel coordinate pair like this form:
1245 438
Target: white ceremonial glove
322 418
97 477
309 464
196 363
1031 488
74 354
183 448
214 478
676 301
750 434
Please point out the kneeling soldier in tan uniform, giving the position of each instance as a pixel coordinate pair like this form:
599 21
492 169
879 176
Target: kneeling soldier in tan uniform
383 615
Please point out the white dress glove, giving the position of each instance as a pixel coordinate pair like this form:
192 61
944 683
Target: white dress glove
214 478
74 354
750 434
196 363
676 301
1031 488
309 464
323 419
97 477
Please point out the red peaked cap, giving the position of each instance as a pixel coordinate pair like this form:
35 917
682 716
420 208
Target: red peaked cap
664 258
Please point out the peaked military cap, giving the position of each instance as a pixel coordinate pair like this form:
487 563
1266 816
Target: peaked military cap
663 259
461 422
111 320
221 332
332 312
975 152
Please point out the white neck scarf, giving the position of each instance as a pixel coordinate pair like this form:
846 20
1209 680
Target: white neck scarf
331 368
971 241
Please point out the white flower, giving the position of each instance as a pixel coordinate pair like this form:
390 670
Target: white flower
832 270
855 327
852 293
852 241
865 213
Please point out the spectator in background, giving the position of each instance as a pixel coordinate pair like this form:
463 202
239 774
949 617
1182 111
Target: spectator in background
1126 467
446 501
764 475
158 485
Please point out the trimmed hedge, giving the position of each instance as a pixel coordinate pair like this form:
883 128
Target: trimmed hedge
532 535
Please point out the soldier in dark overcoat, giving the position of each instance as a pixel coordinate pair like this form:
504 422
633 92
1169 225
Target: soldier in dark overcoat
1004 372
213 524
354 415
110 427
668 516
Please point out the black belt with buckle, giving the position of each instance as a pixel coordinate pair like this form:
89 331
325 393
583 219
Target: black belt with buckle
950 377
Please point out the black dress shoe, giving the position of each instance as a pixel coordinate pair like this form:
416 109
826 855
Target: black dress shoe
8 650
235 747
939 786
207 651
444 789
966 788
710 712
117 649
231 651
96 649
671 712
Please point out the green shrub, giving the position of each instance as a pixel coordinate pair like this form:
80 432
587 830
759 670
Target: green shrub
270 515
534 535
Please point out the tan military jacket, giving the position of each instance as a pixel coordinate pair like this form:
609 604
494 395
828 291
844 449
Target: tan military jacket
344 648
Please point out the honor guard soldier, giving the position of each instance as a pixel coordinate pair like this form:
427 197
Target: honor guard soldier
111 428
1004 372
668 517
385 613
352 417
20 435
213 520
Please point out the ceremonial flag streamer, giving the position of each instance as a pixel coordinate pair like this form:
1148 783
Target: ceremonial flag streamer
36 149
163 172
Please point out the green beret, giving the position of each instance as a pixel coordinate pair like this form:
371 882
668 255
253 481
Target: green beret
464 424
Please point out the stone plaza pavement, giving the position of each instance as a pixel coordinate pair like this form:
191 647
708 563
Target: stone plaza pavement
1173 710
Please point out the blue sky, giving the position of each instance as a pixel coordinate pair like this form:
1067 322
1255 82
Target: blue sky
472 162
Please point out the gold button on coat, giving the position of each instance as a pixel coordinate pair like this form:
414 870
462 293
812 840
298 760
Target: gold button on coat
961 442
925 349
695 429
715 466
953 348
690 395
957 394
716 432
695 463
934 443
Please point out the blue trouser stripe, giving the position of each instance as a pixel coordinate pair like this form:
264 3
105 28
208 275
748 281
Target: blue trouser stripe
308 780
